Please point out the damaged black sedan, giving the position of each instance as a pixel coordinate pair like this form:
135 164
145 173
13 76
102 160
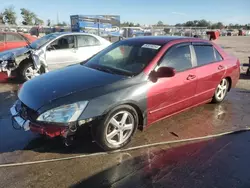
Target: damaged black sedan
131 84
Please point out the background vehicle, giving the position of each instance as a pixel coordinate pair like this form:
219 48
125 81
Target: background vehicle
130 84
55 51
10 40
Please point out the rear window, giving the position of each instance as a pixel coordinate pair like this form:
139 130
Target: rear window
87 41
14 38
206 54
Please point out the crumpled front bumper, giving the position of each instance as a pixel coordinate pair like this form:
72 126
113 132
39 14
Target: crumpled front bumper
26 124
4 68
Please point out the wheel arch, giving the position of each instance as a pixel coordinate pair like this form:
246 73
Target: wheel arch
229 79
134 105
30 60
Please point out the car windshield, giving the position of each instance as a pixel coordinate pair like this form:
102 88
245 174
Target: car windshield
124 57
43 40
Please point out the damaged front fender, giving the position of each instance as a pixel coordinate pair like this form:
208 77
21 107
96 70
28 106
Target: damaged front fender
11 59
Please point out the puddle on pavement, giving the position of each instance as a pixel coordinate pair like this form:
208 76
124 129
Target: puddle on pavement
205 120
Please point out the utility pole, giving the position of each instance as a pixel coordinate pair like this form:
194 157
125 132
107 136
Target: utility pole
57 18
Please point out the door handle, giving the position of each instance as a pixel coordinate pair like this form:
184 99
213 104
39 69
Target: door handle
191 77
220 67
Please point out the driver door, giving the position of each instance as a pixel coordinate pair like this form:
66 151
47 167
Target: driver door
168 96
61 52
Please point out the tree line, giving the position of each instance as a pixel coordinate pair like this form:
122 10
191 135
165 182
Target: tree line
196 23
208 24
9 16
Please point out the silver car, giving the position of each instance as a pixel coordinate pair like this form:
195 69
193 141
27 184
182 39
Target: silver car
51 52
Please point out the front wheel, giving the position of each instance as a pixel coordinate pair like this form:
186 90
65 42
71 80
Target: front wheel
117 128
221 91
27 71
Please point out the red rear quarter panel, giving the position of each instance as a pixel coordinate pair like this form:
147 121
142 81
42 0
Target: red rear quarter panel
232 65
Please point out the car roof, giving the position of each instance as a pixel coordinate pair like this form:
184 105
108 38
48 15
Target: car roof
77 33
162 40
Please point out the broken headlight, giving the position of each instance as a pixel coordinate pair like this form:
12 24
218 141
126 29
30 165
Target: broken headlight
64 114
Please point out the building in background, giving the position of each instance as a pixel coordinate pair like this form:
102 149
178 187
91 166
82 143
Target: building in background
102 25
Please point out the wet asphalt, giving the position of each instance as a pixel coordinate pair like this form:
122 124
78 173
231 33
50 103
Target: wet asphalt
218 162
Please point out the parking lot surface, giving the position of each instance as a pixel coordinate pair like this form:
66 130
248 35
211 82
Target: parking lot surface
217 162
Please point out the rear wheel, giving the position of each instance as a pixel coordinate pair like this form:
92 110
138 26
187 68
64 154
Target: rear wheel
221 91
117 128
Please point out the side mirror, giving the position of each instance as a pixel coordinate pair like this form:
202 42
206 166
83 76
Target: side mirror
162 72
165 72
49 48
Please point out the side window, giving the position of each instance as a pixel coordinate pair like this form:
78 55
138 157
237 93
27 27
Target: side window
1 37
14 38
65 42
178 58
85 40
204 54
218 57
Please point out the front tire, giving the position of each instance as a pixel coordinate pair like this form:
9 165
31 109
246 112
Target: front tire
27 71
117 128
221 91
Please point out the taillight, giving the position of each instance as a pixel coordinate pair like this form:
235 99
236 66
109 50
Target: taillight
238 62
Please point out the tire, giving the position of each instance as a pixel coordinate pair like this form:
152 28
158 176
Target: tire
25 67
248 72
221 91
101 130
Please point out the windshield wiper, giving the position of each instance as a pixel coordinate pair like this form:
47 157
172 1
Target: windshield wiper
105 69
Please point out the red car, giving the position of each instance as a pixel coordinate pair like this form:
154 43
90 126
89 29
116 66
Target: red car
10 40
130 84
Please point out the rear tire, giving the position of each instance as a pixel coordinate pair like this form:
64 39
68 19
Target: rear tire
117 128
221 91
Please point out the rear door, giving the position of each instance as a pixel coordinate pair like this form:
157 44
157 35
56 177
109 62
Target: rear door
210 70
2 42
170 95
87 47
61 52
14 40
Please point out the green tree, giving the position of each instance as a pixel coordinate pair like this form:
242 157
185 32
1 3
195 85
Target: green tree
160 23
178 25
189 24
38 21
9 15
28 16
203 23
217 25
2 18
62 24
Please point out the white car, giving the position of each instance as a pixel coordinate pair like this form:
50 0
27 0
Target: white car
51 52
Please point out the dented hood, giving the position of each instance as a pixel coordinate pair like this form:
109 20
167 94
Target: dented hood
10 54
45 88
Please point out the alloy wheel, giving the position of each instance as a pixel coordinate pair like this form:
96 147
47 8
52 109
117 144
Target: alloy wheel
222 89
30 73
120 128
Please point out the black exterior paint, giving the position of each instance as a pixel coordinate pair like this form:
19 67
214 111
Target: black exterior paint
80 83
